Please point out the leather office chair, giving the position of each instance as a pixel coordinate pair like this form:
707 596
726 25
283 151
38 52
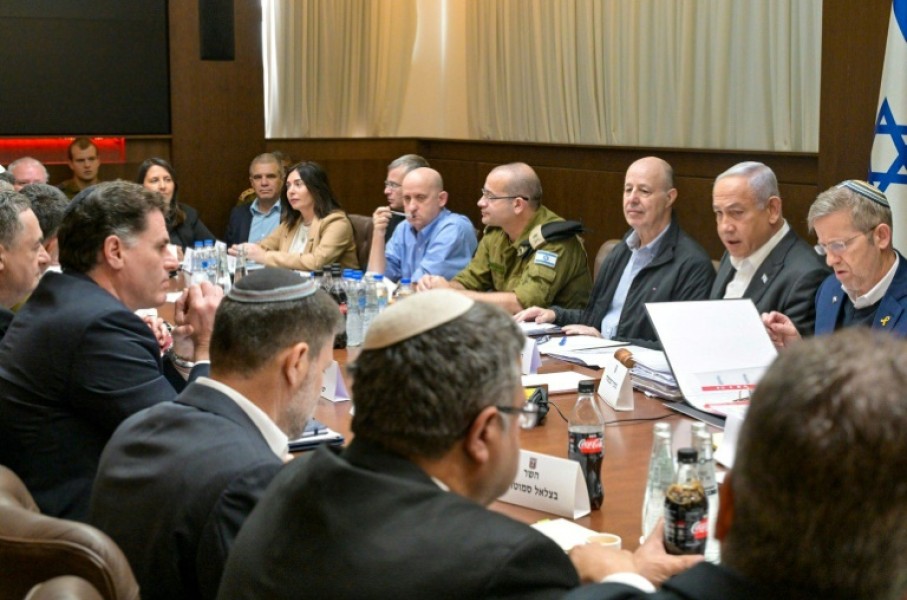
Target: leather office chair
363 228
603 251
67 587
35 548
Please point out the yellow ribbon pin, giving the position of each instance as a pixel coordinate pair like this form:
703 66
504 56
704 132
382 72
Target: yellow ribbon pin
884 321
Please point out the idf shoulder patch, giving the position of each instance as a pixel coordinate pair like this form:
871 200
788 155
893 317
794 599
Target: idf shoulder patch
545 258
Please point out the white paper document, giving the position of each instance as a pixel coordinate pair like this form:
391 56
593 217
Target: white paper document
566 381
571 343
532 328
718 349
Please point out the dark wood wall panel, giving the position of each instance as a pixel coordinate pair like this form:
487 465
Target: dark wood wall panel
854 35
218 111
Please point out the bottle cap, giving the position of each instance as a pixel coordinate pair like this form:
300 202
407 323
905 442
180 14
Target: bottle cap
687 455
586 387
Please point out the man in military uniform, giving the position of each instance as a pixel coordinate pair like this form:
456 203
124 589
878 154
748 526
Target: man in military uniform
518 262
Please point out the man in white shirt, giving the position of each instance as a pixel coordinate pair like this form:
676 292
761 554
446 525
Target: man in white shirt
176 481
766 261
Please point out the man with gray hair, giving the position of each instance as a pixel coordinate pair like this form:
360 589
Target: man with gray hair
397 170
77 360
22 256
766 261
853 223
253 221
439 408
199 464
49 204
27 170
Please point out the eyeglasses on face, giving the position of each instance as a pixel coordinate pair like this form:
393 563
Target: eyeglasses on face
528 413
838 247
392 184
491 197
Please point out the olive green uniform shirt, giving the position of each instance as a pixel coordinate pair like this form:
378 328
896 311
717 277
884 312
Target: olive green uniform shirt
70 188
556 273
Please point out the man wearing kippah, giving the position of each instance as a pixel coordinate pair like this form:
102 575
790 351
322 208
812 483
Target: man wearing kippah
853 224
177 480
400 513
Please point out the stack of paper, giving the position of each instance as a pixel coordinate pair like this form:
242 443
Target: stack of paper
585 350
652 373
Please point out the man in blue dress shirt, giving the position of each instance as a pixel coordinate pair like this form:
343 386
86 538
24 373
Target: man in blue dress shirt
434 241
255 221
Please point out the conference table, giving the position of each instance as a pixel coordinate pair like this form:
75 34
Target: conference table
628 442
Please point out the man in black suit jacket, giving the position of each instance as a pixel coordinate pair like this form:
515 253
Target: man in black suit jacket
76 360
253 221
22 255
176 480
815 506
766 261
401 512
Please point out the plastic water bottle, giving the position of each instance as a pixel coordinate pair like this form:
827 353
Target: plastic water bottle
223 271
586 440
371 304
404 290
710 485
198 272
380 292
354 309
339 295
209 259
661 475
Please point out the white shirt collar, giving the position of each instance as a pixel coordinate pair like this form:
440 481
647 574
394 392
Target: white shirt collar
878 291
275 438
755 260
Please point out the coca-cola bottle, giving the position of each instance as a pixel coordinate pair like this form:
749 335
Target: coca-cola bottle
686 508
586 437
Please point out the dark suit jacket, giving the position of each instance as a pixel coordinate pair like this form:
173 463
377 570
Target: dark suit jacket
6 317
890 316
703 582
786 281
241 223
370 524
175 483
190 230
681 270
74 363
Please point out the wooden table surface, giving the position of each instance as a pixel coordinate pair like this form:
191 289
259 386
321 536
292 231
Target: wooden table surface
628 442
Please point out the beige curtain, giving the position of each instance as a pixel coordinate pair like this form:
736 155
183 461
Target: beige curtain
732 74
336 67
736 74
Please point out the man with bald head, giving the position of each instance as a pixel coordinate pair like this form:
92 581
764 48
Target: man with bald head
434 241
656 262
528 256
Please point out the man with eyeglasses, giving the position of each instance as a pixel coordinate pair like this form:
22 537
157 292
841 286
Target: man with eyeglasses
853 223
393 214
433 241
655 262
401 512
766 261
254 221
517 264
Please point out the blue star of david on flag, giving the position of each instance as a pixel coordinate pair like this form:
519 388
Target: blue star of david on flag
888 164
887 125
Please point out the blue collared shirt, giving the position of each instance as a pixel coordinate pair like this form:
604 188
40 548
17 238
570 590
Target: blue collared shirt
639 260
263 223
443 248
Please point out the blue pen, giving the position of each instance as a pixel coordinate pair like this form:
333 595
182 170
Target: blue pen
563 341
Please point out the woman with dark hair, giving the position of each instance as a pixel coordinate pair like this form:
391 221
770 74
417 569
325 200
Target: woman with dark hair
183 224
314 232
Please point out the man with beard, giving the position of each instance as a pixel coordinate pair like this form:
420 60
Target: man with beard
177 480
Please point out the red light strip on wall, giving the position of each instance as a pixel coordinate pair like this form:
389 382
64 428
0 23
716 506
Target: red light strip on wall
52 151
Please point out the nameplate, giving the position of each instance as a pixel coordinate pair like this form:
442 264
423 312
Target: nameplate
333 387
549 484
530 359
615 387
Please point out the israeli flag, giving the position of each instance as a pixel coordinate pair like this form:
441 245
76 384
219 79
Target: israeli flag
888 164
